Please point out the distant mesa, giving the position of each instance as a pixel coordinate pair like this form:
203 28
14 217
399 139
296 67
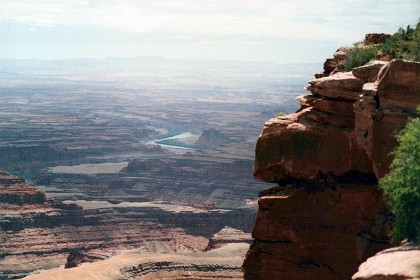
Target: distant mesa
144 165
211 138
14 190
228 235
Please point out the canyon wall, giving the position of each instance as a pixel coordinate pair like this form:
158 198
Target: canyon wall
39 233
327 214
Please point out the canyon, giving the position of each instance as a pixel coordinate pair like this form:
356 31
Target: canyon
104 160
144 170
41 233
327 214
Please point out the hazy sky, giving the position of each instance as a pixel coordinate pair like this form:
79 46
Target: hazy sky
266 30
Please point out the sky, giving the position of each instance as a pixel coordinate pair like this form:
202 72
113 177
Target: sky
299 31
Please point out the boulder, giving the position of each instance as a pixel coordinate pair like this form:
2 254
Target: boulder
368 72
340 54
329 65
376 38
320 75
334 106
340 86
397 263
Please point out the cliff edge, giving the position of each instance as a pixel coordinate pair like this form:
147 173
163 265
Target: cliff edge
327 214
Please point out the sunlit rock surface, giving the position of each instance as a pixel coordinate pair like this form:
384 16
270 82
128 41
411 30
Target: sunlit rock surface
327 215
393 264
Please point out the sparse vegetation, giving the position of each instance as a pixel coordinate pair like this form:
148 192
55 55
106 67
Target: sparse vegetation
402 185
358 57
404 44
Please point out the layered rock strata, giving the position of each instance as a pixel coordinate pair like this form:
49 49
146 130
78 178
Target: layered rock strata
15 191
41 235
228 235
327 215
78 257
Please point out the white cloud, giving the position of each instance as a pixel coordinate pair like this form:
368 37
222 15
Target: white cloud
272 30
326 19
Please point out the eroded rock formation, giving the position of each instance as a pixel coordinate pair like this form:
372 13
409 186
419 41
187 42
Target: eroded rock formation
77 257
15 191
228 235
327 215
376 38
38 233
212 138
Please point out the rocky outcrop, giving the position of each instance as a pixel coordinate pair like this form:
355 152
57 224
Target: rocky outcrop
13 190
77 257
397 263
228 235
212 138
327 215
369 72
384 109
376 38
332 65
24 206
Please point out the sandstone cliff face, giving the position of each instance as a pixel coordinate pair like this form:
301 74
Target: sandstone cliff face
327 215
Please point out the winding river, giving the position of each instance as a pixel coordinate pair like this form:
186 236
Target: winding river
174 146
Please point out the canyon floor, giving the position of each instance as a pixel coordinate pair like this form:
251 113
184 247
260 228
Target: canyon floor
133 154
221 263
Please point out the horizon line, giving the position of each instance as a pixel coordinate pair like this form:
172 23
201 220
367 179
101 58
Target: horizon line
156 57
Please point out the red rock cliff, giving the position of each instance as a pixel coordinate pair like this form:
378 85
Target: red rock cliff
327 215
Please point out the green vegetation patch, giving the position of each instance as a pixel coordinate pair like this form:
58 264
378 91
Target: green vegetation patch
404 44
358 57
402 185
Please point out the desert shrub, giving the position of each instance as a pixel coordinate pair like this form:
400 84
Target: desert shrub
358 57
404 44
402 184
